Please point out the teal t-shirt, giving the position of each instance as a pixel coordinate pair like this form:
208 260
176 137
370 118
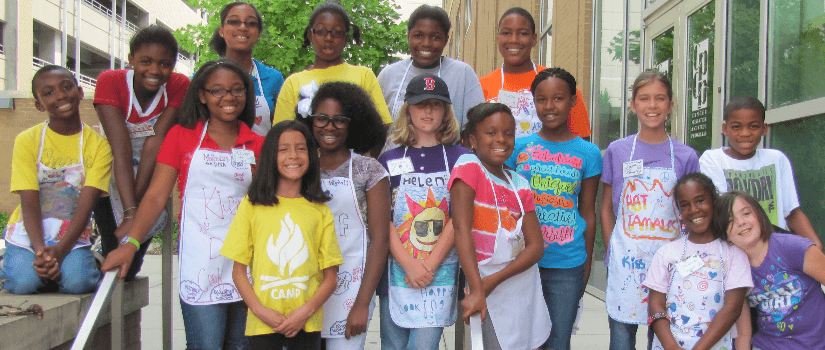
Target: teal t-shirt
555 171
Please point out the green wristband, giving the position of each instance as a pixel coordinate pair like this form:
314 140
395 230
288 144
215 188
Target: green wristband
128 239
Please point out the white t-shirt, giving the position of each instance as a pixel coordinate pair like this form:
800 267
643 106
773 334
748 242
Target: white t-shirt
767 176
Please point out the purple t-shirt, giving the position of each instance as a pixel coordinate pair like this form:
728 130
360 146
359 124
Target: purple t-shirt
654 155
790 303
425 160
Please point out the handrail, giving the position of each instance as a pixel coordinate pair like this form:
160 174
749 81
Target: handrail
106 11
82 78
101 298
166 279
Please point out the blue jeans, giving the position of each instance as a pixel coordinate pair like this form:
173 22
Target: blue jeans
562 289
394 337
78 272
623 335
215 326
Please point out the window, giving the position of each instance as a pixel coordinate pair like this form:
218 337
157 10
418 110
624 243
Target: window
796 52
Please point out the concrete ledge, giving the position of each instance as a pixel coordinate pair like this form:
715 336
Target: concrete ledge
62 315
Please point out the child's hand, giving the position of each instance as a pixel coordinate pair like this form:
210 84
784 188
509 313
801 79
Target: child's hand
418 273
294 322
270 317
124 228
120 257
357 320
473 303
45 265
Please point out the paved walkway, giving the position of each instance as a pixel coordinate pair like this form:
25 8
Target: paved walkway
592 334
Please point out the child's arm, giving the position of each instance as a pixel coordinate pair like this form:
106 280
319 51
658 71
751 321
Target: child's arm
461 196
798 222
296 319
271 317
587 209
114 126
724 319
532 253
418 273
378 219
743 328
44 265
163 182
445 243
151 147
80 220
814 264
608 218
656 304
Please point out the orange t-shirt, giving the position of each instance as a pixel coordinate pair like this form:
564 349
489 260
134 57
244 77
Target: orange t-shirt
579 121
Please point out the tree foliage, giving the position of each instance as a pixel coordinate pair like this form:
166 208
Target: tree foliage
284 22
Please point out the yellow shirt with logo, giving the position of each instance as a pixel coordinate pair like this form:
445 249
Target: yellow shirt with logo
287 246
58 151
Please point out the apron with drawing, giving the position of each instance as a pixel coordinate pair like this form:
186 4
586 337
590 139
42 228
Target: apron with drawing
419 217
262 113
527 325
523 108
646 220
351 230
59 191
208 206
694 300
138 133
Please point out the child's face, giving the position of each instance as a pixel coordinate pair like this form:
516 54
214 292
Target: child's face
652 105
515 39
744 229
293 156
427 116
328 47
228 107
153 65
57 94
493 139
427 41
696 206
238 36
330 138
553 102
744 129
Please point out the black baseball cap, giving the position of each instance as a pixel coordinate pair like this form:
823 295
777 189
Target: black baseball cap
425 87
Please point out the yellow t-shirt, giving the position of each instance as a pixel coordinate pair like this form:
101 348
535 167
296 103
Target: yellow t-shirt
358 75
58 151
294 241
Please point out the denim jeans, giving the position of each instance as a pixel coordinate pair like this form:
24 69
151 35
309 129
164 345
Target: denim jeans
623 335
215 326
562 289
78 272
394 337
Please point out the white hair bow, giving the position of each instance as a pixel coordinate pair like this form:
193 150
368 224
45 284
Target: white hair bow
307 93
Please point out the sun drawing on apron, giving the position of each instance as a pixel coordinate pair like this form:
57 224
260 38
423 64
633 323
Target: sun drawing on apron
423 224
289 250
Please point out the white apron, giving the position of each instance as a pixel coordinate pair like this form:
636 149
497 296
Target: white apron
396 102
516 306
59 191
351 230
420 215
209 204
138 133
522 106
262 113
693 301
646 220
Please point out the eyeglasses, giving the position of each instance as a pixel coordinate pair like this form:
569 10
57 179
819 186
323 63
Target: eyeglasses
323 32
237 23
218 92
322 120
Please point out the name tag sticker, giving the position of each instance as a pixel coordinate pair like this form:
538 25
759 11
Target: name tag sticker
145 129
508 98
689 265
400 166
244 156
633 168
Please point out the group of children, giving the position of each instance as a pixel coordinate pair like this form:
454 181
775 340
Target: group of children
288 226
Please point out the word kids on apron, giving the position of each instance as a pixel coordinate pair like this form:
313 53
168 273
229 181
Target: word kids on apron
138 133
209 204
694 297
646 220
527 325
419 217
59 192
523 108
263 114
351 230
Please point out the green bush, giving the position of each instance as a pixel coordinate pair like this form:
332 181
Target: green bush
158 239
4 219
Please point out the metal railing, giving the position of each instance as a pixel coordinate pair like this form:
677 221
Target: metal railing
108 13
82 79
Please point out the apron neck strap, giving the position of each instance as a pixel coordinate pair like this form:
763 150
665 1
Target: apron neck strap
43 142
535 70
669 140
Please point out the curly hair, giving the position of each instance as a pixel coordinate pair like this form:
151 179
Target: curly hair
366 128
403 131
192 110
333 7
554 72
217 42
